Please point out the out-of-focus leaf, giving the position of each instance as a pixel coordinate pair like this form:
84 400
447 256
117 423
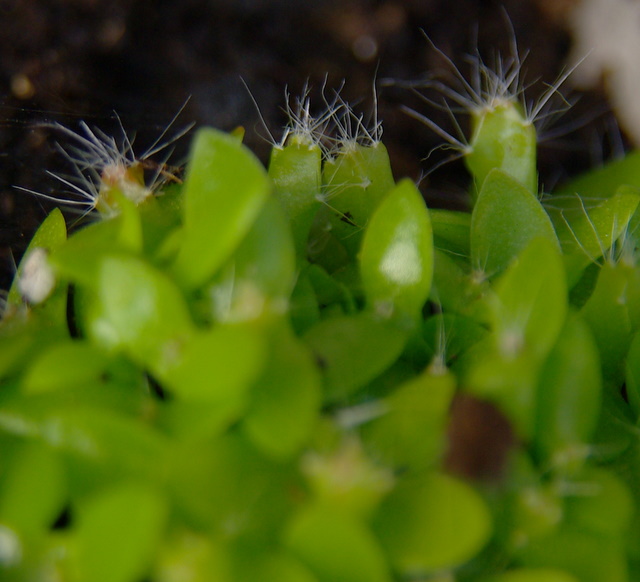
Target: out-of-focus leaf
569 394
353 350
33 492
432 522
65 365
260 275
139 309
285 399
588 229
451 231
336 547
224 189
410 432
216 366
613 314
128 519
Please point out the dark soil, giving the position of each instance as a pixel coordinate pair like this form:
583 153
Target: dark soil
72 60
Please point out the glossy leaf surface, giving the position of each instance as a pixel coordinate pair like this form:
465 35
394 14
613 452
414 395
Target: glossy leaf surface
396 259
139 309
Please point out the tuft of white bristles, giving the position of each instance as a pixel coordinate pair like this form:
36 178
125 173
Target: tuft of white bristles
305 128
333 127
100 163
350 128
490 85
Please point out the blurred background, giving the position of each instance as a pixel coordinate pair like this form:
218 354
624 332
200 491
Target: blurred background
70 60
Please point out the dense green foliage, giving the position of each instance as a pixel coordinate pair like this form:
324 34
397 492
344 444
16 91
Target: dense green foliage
302 374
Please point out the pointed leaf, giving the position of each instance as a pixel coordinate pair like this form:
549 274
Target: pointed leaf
530 304
396 259
224 189
505 218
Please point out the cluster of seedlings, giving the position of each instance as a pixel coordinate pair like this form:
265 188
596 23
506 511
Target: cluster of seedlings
302 373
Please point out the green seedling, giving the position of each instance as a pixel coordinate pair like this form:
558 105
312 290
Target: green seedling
503 131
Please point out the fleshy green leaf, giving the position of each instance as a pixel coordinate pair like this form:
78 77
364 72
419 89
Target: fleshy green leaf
396 259
128 519
451 230
588 228
532 575
632 374
432 522
505 219
251 564
285 399
356 180
33 493
613 314
304 311
569 395
260 275
508 381
410 432
448 335
215 366
604 181
227 487
503 138
589 557
296 175
353 350
335 546
606 505
139 309
51 234
101 442
224 189
530 304
347 479
329 291
194 556
457 289
65 365
79 258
